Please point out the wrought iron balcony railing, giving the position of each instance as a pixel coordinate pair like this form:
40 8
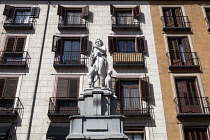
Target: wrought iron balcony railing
192 105
19 21
128 59
70 58
183 59
10 106
125 22
14 58
74 22
133 106
63 106
175 22
208 23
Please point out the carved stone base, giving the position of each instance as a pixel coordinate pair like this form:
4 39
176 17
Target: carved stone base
96 127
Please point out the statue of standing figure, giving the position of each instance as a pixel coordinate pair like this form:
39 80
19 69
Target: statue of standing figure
99 65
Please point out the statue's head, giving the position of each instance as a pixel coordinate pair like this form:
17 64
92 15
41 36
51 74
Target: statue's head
109 72
99 42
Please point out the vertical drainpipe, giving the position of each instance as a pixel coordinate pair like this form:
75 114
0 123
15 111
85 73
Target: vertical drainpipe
38 73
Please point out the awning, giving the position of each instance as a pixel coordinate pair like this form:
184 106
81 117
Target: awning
58 131
4 129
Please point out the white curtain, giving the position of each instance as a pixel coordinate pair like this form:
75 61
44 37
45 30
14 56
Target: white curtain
135 137
22 17
73 18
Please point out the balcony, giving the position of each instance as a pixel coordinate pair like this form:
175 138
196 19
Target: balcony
175 23
19 22
63 106
128 59
76 22
14 58
10 106
183 60
133 106
124 23
192 106
208 23
70 59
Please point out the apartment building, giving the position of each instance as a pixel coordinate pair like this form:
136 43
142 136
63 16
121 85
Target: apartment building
181 31
45 58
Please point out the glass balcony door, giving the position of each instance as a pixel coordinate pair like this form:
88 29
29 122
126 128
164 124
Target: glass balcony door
22 16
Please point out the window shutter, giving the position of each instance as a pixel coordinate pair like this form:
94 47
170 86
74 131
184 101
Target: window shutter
20 44
112 44
60 10
187 51
56 44
112 10
35 12
10 44
140 44
179 17
84 44
8 10
11 86
62 87
85 11
136 11
169 21
73 87
145 87
2 81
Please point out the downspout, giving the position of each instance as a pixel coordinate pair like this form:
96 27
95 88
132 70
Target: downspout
38 73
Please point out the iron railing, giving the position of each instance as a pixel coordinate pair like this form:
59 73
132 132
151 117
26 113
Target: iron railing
195 105
14 58
175 21
74 21
133 106
63 106
183 59
70 58
208 22
20 20
127 59
125 21
10 105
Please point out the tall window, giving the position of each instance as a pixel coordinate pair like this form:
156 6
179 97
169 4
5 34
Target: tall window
67 94
73 17
124 17
134 132
22 16
71 51
173 17
180 52
126 45
187 93
196 133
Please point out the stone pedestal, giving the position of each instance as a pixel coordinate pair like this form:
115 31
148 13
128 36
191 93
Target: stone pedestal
97 120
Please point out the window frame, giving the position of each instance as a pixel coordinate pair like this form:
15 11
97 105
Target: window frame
205 15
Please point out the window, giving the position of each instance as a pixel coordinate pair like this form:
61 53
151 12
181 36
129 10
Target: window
8 87
20 15
132 94
196 133
14 50
125 16
173 17
126 44
180 52
68 49
188 96
67 95
207 10
72 16
134 132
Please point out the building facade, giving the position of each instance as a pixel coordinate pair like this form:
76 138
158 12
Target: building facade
154 48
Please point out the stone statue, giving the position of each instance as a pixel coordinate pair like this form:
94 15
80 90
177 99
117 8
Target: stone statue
108 80
98 70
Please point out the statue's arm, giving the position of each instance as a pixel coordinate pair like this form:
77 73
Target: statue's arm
102 49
